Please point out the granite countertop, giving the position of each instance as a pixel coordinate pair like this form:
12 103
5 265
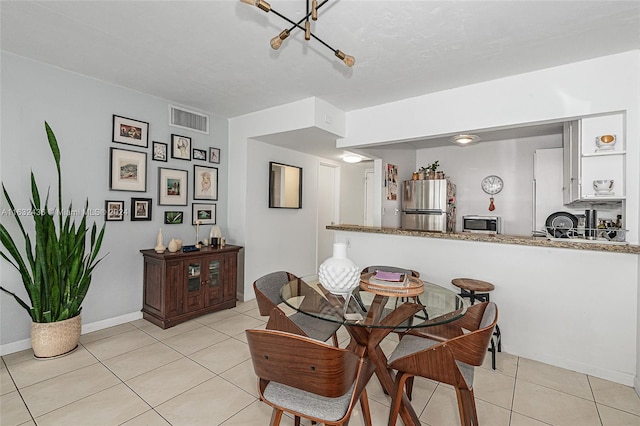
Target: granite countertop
500 239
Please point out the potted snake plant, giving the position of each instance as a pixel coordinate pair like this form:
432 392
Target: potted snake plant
55 265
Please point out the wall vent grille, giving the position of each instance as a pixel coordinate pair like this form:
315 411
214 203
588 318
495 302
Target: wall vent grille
185 119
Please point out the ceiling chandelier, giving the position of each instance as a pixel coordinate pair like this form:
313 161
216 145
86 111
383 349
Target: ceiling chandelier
312 12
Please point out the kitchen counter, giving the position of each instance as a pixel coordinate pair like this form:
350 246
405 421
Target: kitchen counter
500 239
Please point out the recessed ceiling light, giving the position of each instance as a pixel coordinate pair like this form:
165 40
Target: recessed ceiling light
465 139
352 158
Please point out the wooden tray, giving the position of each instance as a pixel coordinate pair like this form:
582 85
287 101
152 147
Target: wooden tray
413 287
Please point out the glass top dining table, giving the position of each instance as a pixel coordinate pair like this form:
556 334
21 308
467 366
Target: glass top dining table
368 317
435 305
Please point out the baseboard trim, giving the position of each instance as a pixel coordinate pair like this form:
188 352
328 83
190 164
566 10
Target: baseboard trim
21 345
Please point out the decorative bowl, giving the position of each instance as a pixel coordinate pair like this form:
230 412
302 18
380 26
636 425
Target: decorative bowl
603 185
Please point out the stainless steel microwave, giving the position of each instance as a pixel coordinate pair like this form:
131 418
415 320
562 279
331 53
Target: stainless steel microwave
481 224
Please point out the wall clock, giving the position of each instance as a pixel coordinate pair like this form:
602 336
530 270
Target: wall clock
492 184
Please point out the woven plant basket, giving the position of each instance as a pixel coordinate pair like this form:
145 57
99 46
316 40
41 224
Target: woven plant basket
52 339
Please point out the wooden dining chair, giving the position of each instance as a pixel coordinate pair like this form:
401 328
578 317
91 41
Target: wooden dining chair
267 290
447 353
308 378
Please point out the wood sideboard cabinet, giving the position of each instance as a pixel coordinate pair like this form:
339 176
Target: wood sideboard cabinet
180 286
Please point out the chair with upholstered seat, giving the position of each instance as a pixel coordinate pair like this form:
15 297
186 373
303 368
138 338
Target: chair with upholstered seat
446 353
267 290
308 378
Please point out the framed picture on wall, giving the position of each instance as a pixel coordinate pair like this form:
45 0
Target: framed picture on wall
180 147
160 151
204 214
214 155
114 210
173 218
172 187
141 208
205 183
127 170
130 131
199 154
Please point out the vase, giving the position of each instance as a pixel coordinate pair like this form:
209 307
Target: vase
159 248
339 274
173 245
53 339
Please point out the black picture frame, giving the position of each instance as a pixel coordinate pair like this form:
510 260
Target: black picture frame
173 187
199 154
204 213
181 147
141 208
205 183
127 170
214 155
160 151
285 186
114 210
129 131
173 217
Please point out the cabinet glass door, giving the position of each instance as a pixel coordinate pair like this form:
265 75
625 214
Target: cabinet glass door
193 281
214 273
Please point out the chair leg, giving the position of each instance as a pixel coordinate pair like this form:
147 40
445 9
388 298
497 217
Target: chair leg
364 405
467 407
335 340
401 379
276 415
296 421
409 387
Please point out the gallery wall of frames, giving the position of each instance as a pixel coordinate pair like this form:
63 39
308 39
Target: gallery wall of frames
190 190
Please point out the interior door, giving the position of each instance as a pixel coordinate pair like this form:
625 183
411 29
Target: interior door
368 197
327 209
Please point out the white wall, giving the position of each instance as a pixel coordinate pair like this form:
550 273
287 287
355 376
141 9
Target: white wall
279 239
557 306
79 110
511 159
243 219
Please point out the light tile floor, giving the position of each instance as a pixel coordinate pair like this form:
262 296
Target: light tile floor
200 373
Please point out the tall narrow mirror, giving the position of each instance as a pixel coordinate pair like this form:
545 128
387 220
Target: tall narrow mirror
285 186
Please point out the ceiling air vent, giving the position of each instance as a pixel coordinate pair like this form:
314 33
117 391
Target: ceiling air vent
180 117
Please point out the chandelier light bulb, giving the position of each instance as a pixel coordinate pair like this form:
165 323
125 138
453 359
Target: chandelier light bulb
263 5
347 59
314 10
276 42
307 30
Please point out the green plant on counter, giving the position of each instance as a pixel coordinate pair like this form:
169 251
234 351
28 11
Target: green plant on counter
433 166
56 273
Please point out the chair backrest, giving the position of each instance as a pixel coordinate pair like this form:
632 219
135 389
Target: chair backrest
471 347
374 268
302 363
441 361
267 289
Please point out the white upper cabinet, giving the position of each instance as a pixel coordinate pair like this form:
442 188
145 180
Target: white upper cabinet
594 150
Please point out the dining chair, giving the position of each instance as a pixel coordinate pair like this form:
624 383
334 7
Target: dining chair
267 290
446 353
308 378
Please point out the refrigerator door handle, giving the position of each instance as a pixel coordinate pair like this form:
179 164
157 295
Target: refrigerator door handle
426 211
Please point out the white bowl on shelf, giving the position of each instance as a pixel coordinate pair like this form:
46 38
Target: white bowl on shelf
603 186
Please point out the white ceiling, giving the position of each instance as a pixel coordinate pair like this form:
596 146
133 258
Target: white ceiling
214 56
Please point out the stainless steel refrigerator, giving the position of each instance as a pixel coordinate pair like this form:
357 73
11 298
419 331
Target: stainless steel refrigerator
428 205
